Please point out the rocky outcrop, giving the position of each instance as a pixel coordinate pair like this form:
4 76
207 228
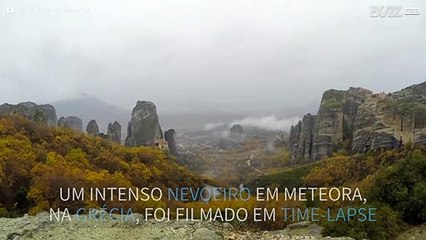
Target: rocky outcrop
144 127
366 141
335 120
232 139
114 132
129 142
71 122
302 137
92 128
419 136
45 114
358 120
236 130
41 227
280 141
169 136
387 120
317 136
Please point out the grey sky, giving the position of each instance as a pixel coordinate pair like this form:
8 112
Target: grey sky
246 54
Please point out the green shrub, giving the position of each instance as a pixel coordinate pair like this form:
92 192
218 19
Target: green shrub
403 187
387 226
3 212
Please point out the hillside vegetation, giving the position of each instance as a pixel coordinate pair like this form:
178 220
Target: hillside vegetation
393 181
36 160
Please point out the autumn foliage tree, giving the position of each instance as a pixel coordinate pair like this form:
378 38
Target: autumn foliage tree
36 161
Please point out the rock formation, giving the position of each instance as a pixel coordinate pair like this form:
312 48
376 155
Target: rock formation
358 120
39 113
40 226
169 135
92 128
231 140
114 132
335 120
280 141
236 130
71 122
144 127
302 137
129 142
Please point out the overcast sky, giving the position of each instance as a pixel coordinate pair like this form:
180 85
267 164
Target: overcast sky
248 54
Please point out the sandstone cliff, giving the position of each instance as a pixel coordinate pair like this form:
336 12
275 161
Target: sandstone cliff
357 120
71 122
236 130
144 127
39 113
169 136
114 132
92 128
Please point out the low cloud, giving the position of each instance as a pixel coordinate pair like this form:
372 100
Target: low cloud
211 126
270 123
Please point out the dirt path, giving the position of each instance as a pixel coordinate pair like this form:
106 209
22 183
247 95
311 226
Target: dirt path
248 162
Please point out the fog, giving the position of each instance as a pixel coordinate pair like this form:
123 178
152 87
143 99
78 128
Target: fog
263 57
270 123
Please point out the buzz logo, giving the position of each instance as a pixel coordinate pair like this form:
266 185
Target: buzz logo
392 11
9 10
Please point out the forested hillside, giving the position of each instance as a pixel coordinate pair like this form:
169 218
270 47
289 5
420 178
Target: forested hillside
36 160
